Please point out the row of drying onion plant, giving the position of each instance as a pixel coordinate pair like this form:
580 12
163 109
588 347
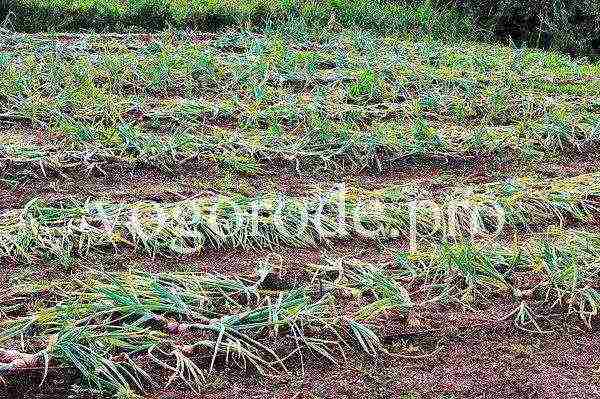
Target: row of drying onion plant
113 327
75 229
545 275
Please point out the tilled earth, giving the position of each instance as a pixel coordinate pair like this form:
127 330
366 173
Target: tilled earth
441 351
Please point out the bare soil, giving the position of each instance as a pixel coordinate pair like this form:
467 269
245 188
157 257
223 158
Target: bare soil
494 362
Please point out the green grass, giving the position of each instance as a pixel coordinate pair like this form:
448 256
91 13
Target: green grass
297 16
566 26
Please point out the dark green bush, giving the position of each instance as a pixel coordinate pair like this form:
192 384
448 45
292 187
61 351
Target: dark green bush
568 25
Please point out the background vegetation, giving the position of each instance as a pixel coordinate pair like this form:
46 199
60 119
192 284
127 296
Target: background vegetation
572 26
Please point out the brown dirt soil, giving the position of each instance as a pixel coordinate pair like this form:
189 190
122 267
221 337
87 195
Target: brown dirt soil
126 184
497 362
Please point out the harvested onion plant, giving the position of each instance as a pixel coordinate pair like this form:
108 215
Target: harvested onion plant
325 106
110 326
272 220
555 273
250 152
